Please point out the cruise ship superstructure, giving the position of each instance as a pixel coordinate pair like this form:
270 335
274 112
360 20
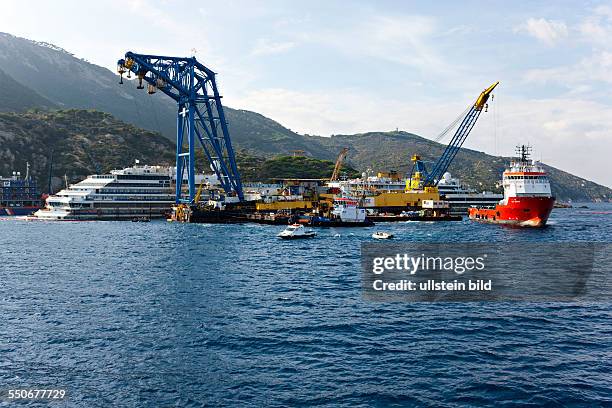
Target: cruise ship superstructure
459 196
137 191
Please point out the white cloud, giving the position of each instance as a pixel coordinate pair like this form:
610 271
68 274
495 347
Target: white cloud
264 46
591 73
344 111
580 77
549 32
555 125
597 28
402 39
332 111
571 134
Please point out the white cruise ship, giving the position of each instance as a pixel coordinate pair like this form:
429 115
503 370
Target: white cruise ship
137 192
461 197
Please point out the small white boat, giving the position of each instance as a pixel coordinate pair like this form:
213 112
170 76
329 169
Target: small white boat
296 231
382 235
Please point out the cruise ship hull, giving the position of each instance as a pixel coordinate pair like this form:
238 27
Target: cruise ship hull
518 211
17 211
97 215
460 203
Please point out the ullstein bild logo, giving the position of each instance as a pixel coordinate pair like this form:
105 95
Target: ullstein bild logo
484 272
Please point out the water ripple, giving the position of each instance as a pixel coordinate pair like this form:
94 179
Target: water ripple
165 314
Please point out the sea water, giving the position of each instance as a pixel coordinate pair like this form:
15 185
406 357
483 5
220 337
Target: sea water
164 314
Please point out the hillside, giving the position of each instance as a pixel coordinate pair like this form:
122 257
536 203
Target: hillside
79 140
85 142
65 81
17 97
253 168
70 82
61 80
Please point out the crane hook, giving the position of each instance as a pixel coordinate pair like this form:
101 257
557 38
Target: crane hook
141 75
121 70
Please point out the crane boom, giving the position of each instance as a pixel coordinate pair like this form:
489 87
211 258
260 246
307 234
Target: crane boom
338 165
464 129
200 116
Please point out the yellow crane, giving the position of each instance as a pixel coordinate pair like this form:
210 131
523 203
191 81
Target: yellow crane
429 179
338 165
196 199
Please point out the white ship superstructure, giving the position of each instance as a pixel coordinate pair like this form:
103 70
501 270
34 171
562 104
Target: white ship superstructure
525 178
347 210
137 191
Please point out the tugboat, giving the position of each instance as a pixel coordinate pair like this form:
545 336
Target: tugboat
296 231
344 213
527 196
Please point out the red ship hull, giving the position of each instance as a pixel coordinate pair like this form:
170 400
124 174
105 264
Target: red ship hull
519 211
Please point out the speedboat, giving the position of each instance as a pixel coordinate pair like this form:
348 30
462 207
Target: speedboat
382 235
296 231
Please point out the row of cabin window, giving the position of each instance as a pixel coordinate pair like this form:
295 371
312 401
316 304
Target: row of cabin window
528 177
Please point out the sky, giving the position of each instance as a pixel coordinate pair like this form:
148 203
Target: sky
343 67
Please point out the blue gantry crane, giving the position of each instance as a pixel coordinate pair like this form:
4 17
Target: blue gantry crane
429 179
200 117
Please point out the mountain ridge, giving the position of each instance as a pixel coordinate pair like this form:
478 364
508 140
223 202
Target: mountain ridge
58 79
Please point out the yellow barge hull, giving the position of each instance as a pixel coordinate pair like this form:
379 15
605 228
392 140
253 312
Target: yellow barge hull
412 199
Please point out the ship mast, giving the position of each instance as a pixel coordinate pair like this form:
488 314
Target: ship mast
523 152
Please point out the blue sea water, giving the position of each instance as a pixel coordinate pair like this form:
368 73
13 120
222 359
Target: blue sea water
164 314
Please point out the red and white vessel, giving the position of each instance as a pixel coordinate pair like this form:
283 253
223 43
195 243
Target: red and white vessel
527 197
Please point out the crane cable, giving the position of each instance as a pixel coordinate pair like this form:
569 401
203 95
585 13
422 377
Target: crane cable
498 123
494 104
143 120
154 110
452 125
141 124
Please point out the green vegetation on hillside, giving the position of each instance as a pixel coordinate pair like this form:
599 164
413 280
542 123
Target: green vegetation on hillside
81 142
254 168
